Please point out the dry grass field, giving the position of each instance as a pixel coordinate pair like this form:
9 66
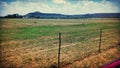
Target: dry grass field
33 43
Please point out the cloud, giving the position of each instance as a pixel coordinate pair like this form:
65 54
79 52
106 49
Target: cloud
58 6
24 8
83 7
59 1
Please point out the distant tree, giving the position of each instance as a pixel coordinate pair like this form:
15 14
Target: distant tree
35 22
13 16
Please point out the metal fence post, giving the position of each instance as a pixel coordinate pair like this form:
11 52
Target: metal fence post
59 50
100 40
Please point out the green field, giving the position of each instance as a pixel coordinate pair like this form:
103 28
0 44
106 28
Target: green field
33 43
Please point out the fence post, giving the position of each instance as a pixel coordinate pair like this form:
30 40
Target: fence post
59 50
100 40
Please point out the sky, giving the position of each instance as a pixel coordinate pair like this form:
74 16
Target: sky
69 7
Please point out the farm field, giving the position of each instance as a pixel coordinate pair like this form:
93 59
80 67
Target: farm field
33 43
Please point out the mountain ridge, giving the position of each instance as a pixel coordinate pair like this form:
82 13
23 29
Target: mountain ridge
37 14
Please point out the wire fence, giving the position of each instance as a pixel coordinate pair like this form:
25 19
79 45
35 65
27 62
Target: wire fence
65 47
76 46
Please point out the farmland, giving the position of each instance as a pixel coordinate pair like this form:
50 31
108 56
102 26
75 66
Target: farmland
33 43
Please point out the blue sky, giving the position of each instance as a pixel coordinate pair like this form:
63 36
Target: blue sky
59 6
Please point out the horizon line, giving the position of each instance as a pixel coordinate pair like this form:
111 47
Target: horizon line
59 13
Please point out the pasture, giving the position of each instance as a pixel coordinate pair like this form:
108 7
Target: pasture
33 43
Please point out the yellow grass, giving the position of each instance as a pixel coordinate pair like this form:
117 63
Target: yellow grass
35 53
95 61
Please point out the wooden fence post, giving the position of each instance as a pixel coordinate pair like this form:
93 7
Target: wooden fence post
59 50
100 40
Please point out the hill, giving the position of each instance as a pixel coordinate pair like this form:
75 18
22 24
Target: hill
62 16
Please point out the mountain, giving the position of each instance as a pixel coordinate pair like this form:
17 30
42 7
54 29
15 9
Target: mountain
54 15
105 15
43 15
62 16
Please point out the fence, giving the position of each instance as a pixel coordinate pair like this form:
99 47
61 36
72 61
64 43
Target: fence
82 46
64 47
